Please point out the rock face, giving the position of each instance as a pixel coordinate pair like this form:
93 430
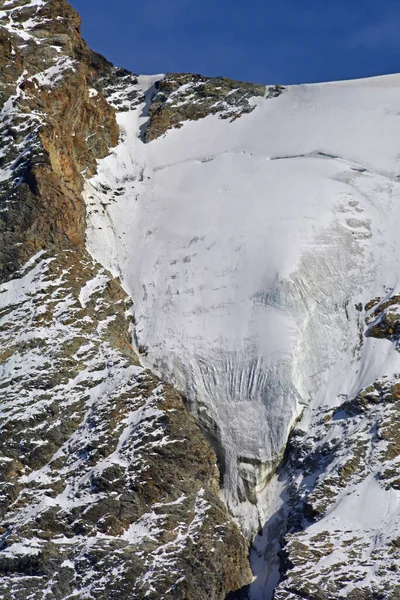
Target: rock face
237 241
52 128
180 97
108 488
342 537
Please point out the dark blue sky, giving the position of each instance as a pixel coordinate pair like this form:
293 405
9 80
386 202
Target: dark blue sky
266 41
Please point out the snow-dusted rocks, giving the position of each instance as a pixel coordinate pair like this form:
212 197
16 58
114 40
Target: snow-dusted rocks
343 482
108 488
255 230
52 129
179 97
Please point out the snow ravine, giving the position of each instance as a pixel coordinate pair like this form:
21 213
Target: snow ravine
246 246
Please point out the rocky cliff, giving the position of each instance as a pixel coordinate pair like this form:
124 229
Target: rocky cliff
108 487
199 318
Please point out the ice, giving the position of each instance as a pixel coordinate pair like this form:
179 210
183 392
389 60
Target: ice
246 247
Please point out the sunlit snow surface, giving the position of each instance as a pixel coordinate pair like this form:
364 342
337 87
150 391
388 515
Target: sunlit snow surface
246 246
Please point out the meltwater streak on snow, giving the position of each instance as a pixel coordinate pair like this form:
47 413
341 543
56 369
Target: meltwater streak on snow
246 246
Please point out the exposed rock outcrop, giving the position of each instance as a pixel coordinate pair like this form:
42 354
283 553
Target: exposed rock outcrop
180 97
108 487
53 128
342 537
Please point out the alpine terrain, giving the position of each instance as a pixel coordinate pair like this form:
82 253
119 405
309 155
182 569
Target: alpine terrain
200 329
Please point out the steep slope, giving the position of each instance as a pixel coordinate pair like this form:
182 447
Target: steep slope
255 230
253 235
108 489
343 522
52 128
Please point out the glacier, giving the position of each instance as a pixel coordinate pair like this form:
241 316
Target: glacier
247 247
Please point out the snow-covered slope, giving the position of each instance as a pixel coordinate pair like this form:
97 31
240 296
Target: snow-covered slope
255 229
246 247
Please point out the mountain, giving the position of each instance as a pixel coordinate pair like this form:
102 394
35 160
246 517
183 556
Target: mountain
108 487
200 326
